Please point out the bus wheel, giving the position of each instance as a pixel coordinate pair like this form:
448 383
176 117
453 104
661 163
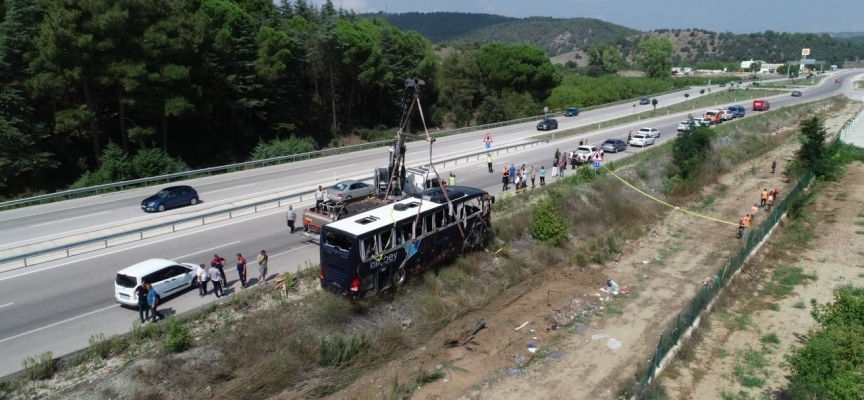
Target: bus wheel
400 276
477 237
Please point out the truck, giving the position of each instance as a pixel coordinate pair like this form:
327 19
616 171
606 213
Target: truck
583 154
316 217
761 105
713 116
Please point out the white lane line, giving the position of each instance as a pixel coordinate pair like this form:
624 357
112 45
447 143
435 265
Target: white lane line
216 226
282 253
57 323
6 305
333 169
69 219
231 188
202 251
78 230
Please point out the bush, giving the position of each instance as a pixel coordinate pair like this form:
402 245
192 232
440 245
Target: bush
340 348
102 346
690 150
284 147
380 132
177 336
39 367
491 111
155 162
548 226
116 166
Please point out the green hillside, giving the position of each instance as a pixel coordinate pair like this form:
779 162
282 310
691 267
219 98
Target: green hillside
441 27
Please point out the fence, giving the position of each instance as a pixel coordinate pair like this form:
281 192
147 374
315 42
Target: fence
103 242
284 159
671 336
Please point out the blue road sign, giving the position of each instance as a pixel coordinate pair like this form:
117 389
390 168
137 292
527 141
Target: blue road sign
488 145
596 164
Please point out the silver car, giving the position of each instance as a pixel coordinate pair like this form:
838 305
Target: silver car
349 190
613 145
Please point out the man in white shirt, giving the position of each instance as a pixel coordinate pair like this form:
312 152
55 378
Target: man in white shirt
216 277
319 196
290 217
201 276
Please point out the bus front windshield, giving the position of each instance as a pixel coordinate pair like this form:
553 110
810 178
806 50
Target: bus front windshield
337 240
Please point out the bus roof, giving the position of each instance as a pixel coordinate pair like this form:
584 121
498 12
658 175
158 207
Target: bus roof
385 215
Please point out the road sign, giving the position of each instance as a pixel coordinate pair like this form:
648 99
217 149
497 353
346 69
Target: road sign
488 145
597 156
596 164
488 138
805 52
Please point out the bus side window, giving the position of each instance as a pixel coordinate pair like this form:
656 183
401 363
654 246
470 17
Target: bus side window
386 240
427 224
439 219
368 247
403 232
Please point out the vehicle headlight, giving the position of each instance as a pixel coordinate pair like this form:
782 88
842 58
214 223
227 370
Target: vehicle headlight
151 204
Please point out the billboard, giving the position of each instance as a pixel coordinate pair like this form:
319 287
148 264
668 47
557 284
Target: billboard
805 52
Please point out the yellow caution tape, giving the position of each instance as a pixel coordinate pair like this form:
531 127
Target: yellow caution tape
676 208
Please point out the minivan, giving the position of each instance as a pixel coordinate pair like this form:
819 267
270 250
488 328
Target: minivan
737 111
761 105
167 277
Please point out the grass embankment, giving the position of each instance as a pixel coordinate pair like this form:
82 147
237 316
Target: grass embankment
794 83
313 343
696 104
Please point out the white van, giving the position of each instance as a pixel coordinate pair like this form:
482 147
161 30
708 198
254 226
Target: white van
167 277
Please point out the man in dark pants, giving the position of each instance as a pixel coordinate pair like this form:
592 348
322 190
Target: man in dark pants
153 301
241 269
141 295
290 217
219 264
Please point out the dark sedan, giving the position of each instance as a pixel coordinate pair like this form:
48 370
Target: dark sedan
613 145
170 197
547 125
796 94
643 101
571 112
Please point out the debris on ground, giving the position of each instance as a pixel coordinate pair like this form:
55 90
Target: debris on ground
521 326
466 337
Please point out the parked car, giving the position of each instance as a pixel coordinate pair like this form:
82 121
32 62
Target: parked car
722 85
167 277
583 153
688 124
726 115
796 94
643 101
571 112
761 105
713 116
547 125
653 132
613 145
170 197
641 140
737 111
702 121
349 190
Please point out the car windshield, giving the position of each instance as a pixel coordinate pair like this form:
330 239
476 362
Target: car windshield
162 194
610 141
125 281
340 186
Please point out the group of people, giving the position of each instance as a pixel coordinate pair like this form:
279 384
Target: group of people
766 201
148 302
520 176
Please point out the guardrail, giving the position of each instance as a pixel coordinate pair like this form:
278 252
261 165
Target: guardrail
104 242
285 159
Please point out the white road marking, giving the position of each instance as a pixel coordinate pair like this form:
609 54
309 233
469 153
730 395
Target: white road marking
202 251
6 305
231 188
339 167
69 219
58 323
281 254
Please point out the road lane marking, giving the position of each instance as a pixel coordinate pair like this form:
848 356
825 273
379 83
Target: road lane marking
281 254
231 188
6 305
69 219
57 323
339 167
202 251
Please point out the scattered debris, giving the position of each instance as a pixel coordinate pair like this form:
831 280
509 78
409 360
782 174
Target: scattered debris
466 337
531 347
406 323
599 336
532 330
613 344
521 326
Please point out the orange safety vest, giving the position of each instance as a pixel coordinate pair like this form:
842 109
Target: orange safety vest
746 222
764 195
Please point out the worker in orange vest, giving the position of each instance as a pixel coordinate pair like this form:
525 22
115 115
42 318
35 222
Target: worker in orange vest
746 221
764 197
753 211
741 228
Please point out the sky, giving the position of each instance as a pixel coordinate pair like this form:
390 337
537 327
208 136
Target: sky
719 16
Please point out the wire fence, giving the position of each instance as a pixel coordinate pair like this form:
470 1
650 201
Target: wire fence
671 336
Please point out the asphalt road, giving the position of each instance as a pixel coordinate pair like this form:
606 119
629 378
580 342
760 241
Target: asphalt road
42 223
57 306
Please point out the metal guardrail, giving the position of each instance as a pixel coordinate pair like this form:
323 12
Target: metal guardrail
104 242
291 158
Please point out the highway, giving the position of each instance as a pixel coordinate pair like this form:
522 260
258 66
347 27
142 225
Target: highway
73 218
58 305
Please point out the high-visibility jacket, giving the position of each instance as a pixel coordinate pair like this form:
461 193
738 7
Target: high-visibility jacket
489 159
764 195
746 222
452 181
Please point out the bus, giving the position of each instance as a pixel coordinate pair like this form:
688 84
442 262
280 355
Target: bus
377 249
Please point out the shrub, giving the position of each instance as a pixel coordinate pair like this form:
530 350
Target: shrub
690 150
340 348
177 336
548 226
282 147
491 111
39 367
116 166
102 346
155 162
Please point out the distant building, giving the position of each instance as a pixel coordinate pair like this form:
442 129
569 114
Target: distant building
745 65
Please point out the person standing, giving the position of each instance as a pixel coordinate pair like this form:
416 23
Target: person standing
773 166
542 176
555 168
629 136
505 178
216 277
319 197
770 201
562 167
741 229
291 217
241 269
452 180
201 276
776 194
512 173
262 267
533 176
489 161
753 211
153 301
557 154
518 181
219 264
763 197
140 294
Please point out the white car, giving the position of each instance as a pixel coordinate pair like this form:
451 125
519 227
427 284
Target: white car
702 121
641 140
167 277
583 153
653 132
687 124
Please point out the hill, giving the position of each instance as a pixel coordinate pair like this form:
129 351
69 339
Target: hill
571 36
